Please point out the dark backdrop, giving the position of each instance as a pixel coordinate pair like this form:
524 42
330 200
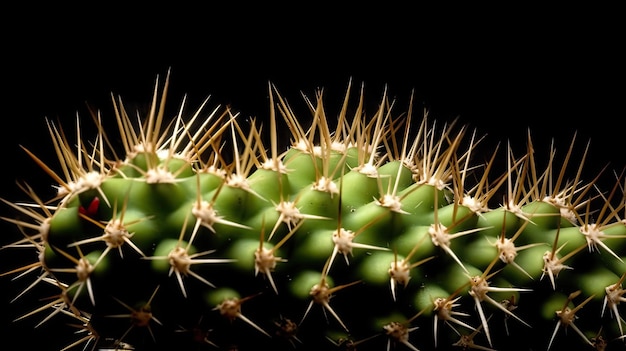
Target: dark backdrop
501 71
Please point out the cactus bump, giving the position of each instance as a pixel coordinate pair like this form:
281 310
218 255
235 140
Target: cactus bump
339 230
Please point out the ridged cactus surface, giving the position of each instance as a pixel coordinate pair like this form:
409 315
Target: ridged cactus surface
371 230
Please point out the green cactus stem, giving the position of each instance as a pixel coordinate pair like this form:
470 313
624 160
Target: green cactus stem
368 232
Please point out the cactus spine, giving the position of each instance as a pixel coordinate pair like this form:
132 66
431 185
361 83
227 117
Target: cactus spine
371 232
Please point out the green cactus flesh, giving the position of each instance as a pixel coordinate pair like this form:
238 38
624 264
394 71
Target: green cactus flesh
372 232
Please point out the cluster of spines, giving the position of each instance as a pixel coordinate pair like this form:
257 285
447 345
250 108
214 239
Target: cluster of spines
177 201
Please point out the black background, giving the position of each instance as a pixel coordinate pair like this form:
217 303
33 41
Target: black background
502 71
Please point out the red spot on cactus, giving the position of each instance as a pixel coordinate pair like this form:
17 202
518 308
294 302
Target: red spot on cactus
92 209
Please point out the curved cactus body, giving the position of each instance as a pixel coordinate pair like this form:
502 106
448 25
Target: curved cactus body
204 234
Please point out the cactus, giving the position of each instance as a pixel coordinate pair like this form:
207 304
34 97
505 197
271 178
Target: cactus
372 231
